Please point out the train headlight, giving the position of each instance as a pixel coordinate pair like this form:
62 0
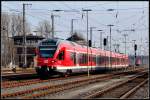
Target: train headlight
53 61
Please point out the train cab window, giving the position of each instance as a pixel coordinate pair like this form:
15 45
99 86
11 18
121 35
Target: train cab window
61 55
46 52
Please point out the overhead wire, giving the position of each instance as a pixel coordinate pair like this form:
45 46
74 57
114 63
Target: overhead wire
91 18
73 9
41 18
62 25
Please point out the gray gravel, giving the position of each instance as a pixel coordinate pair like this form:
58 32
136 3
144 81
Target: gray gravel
50 82
73 93
77 93
141 93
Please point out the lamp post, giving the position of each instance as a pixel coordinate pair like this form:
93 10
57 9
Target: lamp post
140 54
110 25
125 35
107 46
100 43
91 29
72 20
24 32
52 18
87 10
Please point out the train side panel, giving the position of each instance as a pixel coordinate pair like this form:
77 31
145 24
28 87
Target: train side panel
70 57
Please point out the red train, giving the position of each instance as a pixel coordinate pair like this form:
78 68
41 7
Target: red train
62 56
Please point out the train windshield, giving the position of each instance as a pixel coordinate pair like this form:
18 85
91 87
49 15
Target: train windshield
47 52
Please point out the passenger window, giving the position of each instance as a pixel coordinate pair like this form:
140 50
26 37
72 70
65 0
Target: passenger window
61 55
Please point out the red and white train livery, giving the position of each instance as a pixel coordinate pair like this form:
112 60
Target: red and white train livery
62 56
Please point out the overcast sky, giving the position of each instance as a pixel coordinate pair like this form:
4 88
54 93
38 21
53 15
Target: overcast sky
127 15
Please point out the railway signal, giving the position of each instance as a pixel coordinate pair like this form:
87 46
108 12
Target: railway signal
90 43
107 45
135 47
105 42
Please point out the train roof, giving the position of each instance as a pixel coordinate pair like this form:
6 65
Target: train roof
50 41
58 41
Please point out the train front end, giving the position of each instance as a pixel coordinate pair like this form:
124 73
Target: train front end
46 64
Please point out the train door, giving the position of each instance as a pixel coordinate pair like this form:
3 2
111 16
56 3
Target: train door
96 60
73 59
74 56
77 57
61 57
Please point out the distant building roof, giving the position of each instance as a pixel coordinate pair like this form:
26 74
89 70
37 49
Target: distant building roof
28 37
76 38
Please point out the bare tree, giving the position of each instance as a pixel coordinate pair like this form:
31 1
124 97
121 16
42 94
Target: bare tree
5 19
44 28
10 25
17 25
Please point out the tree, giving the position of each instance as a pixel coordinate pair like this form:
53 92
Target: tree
44 28
5 19
11 24
17 25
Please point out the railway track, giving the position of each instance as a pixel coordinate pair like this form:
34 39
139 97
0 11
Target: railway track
121 90
11 84
45 90
50 89
17 75
5 70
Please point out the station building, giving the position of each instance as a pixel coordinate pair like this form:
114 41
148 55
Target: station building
31 43
19 49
